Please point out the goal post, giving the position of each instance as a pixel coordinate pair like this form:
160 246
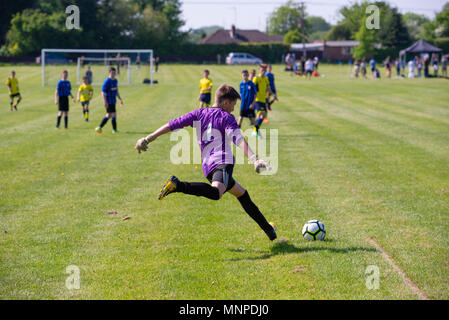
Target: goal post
140 63
102 63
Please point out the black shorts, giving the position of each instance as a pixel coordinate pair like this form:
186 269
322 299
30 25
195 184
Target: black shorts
205 97
110 108
84 103
223 173
247 113
14 95
63 103
260 106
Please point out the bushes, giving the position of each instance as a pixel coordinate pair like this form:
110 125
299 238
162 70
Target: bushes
442 43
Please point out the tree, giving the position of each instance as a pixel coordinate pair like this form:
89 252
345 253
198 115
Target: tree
414 23
317 24
442 19
366 40
172 11
33 29
8 11
285 18
293 36
104 24
339 32
393 31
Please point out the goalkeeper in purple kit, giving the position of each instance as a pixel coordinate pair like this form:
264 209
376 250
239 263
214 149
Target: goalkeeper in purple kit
216 130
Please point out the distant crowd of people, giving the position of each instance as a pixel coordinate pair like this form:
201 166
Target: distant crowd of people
417 67
302 67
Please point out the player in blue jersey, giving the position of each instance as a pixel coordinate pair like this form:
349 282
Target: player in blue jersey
110 94
248 92
273 93
62 94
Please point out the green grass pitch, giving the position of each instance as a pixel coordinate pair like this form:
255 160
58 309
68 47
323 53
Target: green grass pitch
368 158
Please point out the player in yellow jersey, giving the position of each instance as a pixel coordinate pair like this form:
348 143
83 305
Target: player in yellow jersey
206 85
263 89
85 94
13 86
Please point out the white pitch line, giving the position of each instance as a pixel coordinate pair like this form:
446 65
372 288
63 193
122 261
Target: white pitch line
406 280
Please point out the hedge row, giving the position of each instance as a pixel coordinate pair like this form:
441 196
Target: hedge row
268 52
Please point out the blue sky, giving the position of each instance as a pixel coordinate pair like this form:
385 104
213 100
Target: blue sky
253 14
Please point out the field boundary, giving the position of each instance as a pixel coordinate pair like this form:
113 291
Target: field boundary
404 277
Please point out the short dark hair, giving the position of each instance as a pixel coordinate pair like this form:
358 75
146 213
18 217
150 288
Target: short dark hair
111 69
207 71
245 71
226 92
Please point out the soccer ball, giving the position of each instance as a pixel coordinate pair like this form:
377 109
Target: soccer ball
314 230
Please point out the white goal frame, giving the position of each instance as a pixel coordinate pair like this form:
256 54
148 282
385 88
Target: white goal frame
104 51
106 60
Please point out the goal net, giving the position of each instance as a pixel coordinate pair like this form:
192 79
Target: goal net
100 66
133 66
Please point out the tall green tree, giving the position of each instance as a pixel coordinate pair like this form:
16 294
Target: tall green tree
285 18
104 24
392 32
442 19
8 10
366 40
293 36
341 31
33 29
414 23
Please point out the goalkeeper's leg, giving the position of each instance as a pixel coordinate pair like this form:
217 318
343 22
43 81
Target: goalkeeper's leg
252 210
200 189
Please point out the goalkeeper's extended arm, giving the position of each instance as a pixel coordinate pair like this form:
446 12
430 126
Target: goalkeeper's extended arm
142 144
259 164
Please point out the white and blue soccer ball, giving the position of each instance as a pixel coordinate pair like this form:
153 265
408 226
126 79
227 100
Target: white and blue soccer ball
314 230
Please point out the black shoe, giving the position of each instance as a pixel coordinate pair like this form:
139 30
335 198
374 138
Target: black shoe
272 233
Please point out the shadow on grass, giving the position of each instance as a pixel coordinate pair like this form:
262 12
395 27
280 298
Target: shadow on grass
285 247
135 132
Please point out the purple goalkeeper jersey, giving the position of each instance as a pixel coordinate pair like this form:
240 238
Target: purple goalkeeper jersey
216 130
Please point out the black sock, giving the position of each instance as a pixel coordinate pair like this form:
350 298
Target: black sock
114 124
105 120
66 121
199 189
58 121
254 212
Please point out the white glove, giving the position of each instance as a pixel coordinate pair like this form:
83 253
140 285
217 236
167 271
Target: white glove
261 165
142 144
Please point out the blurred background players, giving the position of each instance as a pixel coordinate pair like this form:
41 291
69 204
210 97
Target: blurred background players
13 86
248 93
110 94
85 94
206 85
62 94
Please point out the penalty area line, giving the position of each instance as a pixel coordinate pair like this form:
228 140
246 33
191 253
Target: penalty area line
406 280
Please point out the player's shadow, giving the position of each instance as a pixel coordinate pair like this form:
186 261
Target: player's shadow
135 132
285 247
